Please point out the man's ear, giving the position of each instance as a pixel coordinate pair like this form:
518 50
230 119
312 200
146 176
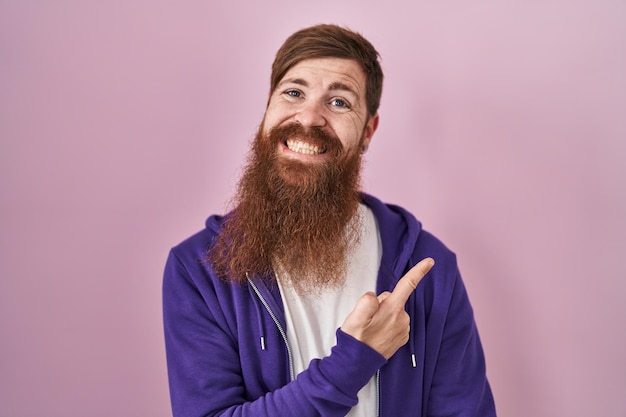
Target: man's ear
370 128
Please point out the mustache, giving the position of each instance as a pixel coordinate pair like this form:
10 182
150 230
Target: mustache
315 135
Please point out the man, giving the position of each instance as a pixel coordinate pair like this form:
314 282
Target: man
272 310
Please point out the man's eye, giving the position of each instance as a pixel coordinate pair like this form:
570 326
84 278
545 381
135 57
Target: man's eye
339 103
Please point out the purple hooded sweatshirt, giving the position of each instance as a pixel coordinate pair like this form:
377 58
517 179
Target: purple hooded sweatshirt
227 350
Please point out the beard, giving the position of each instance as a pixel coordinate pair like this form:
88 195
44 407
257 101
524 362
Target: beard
294 219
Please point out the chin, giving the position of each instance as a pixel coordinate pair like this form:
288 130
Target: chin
295 172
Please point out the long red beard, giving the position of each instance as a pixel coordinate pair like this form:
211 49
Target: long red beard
295 217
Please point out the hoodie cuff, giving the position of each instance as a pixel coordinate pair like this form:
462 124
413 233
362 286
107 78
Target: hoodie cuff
351 363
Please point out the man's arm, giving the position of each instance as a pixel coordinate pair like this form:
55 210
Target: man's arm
204 362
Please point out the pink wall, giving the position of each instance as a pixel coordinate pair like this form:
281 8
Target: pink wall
124 124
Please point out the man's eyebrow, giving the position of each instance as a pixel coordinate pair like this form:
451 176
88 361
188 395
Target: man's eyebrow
338 85
298 81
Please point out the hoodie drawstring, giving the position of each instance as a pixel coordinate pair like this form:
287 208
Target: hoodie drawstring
412 331
412 341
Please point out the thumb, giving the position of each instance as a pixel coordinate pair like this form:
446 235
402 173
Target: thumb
361 314
366 306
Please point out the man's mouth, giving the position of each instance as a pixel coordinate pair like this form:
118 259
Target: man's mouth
304 147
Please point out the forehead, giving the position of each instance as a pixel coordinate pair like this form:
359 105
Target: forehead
328 73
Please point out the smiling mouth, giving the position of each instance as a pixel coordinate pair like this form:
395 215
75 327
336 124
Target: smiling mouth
304 147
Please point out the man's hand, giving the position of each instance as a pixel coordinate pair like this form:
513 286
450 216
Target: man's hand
381 322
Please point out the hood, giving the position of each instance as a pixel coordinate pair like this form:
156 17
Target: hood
214 223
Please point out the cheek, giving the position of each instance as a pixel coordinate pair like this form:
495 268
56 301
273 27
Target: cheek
352 136
273 117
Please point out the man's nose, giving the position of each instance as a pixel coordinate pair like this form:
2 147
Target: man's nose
311 114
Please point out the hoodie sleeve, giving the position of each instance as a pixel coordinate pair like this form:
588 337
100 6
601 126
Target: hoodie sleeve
459 386
212 372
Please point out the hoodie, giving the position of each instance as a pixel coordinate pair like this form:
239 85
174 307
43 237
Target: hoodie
228 355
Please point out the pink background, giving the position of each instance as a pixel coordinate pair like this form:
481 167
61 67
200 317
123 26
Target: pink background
123 124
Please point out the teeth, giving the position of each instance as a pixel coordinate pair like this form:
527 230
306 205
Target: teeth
303 147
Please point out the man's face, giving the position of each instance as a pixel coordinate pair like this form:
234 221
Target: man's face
327 93
298 196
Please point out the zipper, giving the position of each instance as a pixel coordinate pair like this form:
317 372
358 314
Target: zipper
278 326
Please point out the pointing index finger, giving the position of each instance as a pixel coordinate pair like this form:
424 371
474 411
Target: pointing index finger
407 284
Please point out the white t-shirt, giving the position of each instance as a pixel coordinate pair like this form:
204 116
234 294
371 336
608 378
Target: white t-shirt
313 319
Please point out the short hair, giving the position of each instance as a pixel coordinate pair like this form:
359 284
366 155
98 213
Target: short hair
331 41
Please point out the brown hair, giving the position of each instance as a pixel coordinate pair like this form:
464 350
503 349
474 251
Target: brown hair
324 41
